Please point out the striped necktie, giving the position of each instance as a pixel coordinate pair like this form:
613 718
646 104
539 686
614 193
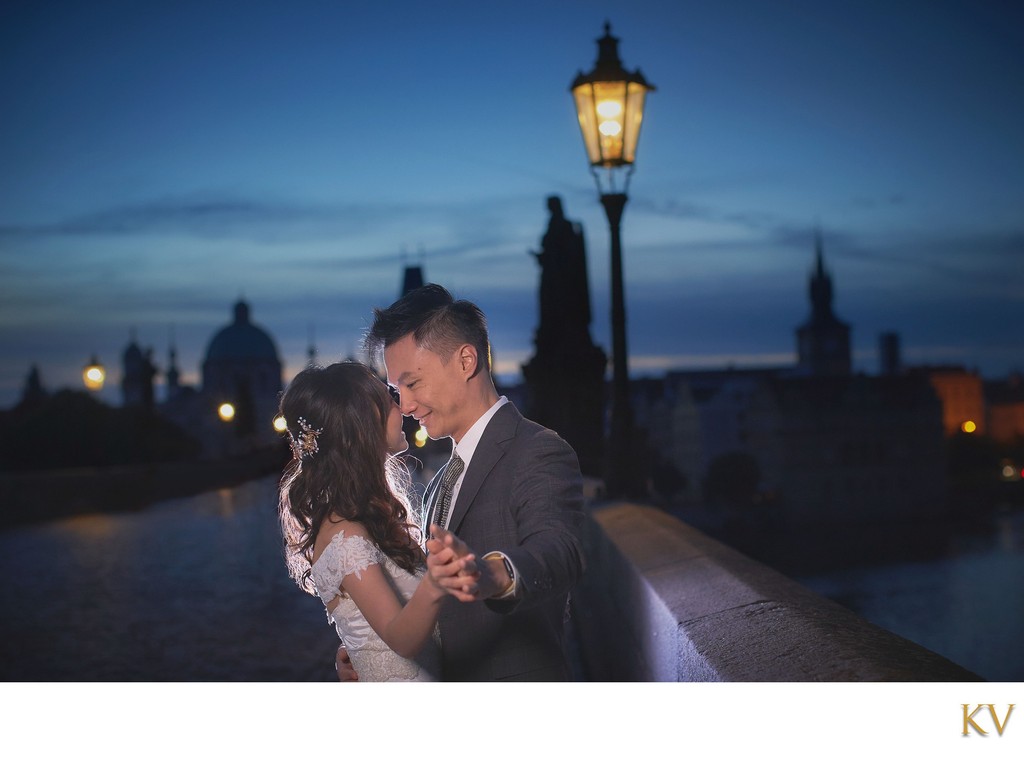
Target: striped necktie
443 501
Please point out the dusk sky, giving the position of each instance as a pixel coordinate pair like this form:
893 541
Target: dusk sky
161 159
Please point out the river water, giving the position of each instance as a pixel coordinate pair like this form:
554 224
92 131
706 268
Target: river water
195 589
967 605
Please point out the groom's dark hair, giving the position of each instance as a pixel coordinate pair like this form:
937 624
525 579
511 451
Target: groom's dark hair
437 321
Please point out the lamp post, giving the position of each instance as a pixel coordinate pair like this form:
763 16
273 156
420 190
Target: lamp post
610 107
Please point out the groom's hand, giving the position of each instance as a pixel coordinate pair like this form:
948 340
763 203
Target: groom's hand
476 580
451 566
343 665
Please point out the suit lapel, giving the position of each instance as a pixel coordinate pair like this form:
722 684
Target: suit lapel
499 432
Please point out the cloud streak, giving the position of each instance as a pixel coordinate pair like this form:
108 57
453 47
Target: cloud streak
219 216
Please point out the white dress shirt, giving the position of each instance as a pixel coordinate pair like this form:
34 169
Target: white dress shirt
465 448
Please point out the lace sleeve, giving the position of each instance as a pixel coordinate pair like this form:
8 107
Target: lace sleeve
342 557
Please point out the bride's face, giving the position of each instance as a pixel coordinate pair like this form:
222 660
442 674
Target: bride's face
397 443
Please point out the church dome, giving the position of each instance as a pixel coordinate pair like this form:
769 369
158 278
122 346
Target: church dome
241 340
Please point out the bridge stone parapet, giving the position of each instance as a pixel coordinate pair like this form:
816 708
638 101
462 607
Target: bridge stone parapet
661 601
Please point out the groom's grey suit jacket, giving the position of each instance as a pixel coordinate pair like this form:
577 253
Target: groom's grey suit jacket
523 495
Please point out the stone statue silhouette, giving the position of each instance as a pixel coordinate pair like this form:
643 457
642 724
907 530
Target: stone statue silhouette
565 377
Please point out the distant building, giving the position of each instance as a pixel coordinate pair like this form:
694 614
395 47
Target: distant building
809 444
241 369
33 394
412 278
1005 409
823 342
889 360
962 397
849 450
137 378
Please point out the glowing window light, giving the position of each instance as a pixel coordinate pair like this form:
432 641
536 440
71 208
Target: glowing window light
226 411
280 424
969 427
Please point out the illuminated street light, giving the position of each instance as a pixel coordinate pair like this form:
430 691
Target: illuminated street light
610 108
93 375
226 411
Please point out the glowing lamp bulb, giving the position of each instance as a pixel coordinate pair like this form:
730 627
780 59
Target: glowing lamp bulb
280 424
226 411
93 375
420 437
609 109
969 427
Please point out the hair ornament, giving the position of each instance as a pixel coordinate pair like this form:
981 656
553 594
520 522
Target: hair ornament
304 445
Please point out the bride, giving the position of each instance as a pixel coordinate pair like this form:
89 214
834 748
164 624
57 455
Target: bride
345 515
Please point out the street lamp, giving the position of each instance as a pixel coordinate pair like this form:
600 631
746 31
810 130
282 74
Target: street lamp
610 107
93 375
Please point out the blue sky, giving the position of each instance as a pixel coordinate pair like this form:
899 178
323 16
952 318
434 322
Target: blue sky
161 159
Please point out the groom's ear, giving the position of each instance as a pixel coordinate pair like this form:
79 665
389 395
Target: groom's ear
468 361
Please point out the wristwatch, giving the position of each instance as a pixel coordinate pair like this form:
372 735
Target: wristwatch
508 569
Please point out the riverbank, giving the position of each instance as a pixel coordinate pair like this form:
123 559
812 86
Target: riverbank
37 496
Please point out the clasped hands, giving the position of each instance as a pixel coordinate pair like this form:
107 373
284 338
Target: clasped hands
459 572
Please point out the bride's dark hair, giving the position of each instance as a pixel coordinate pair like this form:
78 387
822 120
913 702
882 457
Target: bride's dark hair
341 467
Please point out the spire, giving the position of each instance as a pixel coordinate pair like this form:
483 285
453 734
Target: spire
34 393
311 350
821 282
173 375
819 253
823 342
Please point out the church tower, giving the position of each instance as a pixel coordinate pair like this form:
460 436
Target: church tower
137 379
412 278
823 341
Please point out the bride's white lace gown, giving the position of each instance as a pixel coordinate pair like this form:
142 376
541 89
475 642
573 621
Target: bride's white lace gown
372 659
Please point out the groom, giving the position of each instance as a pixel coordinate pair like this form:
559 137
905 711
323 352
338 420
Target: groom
515 492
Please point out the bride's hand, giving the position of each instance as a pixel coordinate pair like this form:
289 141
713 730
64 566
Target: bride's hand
441 538
450 565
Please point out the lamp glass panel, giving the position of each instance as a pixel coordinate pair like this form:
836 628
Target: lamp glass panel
584 95
634 117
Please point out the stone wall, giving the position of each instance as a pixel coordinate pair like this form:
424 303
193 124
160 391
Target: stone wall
660 601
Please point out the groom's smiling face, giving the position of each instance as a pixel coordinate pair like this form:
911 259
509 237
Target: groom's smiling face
430 390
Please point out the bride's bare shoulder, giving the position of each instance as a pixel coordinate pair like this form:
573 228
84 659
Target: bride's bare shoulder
332 526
